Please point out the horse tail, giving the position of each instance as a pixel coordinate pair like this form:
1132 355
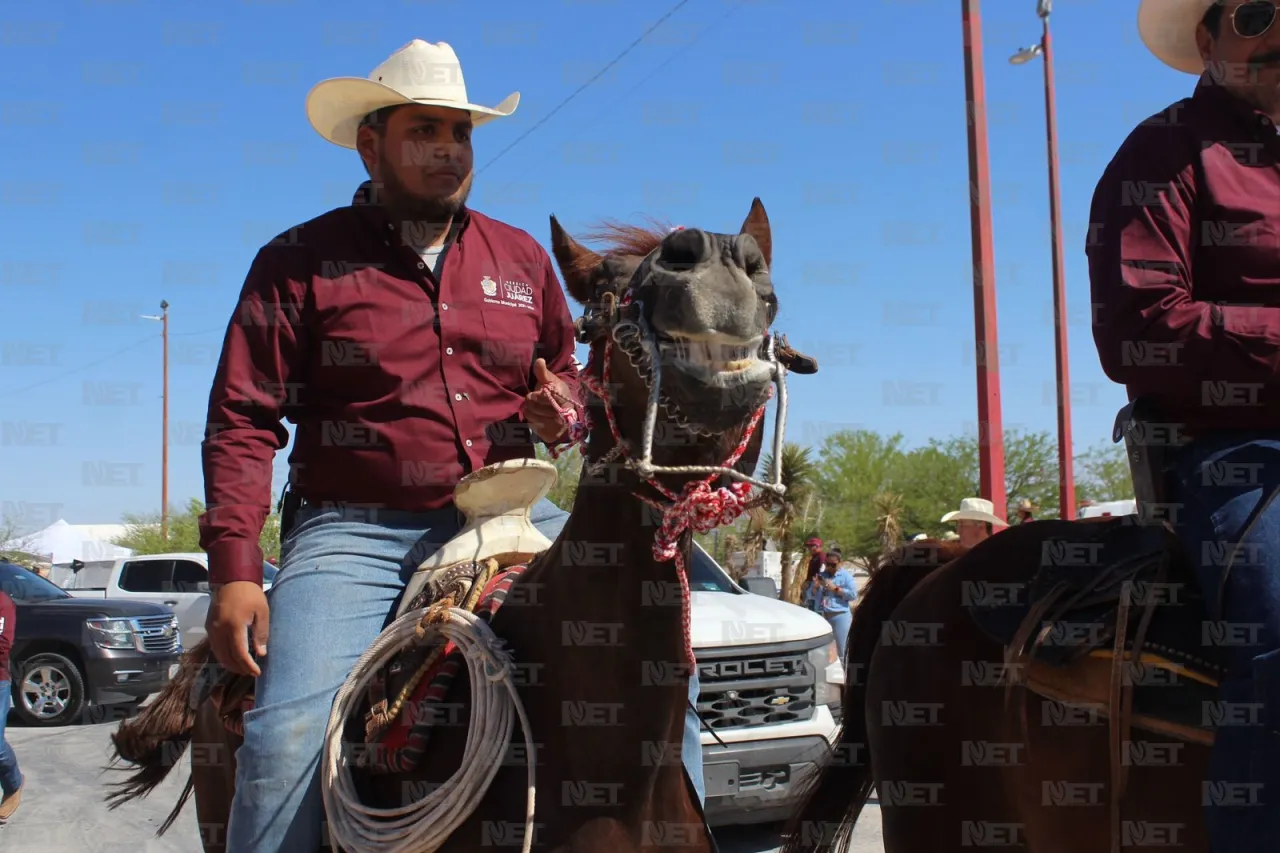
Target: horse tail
156 738
833 800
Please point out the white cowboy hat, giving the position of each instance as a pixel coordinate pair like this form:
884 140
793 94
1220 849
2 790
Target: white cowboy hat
974 509
1168 29
418 73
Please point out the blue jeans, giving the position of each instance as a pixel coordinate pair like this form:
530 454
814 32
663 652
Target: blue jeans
10 778
341 573
1220 483
840 622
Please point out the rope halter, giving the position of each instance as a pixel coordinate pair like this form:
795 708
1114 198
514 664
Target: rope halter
697 508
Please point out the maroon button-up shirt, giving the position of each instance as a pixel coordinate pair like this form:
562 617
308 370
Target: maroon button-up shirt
8 627
1184 263
399 381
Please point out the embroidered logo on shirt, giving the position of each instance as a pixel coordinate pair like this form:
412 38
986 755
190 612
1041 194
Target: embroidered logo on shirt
515 294
518 291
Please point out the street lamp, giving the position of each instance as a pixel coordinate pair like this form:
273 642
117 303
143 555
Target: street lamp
163 317
990 426
1066 476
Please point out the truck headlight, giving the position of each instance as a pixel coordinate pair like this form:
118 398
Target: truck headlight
111 633
828 674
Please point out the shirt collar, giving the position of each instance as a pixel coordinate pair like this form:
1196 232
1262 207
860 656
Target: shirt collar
1219 100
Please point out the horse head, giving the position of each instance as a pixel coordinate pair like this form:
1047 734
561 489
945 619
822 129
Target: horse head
680 319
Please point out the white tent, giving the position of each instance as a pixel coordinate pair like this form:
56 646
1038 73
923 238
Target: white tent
60 543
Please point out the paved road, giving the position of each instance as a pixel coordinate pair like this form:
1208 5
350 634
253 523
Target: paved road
63 812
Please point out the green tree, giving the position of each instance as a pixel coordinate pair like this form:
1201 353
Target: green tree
568 472
9 531
1102 474
854 466
858 467
142 532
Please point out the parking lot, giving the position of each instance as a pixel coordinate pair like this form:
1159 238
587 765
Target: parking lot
63 810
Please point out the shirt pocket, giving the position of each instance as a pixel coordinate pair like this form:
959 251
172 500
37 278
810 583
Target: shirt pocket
511 329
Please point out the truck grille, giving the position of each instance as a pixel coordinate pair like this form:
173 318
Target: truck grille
157 634
756 690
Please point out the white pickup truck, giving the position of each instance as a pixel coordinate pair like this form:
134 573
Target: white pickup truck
771 683
177 581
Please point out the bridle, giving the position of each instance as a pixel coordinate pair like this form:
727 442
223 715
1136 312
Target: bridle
620 321
697 508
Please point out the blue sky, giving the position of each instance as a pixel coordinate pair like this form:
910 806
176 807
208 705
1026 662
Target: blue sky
152 147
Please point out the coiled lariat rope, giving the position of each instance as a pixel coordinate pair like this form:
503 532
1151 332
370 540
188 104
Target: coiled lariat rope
424 825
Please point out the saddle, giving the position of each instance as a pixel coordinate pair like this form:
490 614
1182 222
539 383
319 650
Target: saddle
474 571
1113 617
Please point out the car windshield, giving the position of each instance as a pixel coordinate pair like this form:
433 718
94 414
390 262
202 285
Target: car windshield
269 572
706 576
23 585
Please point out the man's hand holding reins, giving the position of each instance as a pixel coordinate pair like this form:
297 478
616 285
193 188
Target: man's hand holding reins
236 608
542 414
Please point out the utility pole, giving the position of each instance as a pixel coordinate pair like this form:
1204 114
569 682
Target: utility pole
1066 474
990 423
164 405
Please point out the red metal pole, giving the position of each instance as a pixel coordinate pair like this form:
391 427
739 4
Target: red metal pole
1066 473
990 425
164 439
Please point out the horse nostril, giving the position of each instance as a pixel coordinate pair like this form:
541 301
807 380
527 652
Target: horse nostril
749 255
685 248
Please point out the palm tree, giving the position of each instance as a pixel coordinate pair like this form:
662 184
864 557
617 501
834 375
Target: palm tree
799 474
889 510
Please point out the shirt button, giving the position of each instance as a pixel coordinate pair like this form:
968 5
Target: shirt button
457 396
468 442
448 350
444 306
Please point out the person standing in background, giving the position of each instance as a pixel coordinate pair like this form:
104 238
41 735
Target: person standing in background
831 593
10 777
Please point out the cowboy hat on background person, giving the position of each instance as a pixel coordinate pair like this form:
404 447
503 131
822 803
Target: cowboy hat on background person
1026 511
1189 265
974 520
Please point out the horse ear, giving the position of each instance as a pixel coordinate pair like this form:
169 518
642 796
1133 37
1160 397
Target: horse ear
577 262
757 225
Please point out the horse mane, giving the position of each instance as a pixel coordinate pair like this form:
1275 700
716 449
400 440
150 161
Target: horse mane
623 240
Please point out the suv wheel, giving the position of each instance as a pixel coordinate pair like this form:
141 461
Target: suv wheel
49 691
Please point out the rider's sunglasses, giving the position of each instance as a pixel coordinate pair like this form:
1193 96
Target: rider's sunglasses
1254 18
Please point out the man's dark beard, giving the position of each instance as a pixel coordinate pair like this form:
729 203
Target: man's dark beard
415 216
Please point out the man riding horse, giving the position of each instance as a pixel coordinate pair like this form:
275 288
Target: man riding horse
1184 261
446 327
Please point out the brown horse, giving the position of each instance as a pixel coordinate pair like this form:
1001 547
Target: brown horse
594 618
971 740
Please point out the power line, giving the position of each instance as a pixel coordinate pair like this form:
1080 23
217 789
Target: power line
614 103
581 88
67 373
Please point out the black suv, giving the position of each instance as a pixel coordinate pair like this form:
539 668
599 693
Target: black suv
70 653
